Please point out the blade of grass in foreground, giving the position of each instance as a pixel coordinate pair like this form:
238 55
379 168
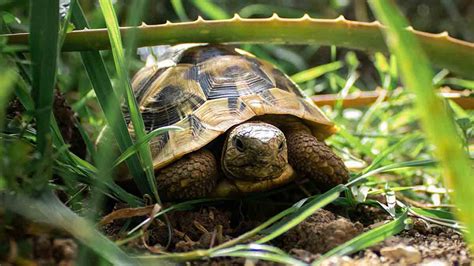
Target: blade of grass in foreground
391 167
378 160
259 251
48 209
302 213
133 149
367 239
312 73
120 66
210 9
179 9
44 28
109 102
8 79
296 214
437 123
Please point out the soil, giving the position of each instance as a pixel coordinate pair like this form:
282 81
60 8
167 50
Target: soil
208 226
27 243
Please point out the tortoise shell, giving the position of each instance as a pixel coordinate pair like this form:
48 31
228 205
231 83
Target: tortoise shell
207 89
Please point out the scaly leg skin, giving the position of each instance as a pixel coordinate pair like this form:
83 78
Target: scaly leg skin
193 176
313 158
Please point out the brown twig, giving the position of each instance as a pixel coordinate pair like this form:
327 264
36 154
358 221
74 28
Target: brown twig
366 98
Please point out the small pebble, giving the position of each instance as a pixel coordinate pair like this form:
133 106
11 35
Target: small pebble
409 254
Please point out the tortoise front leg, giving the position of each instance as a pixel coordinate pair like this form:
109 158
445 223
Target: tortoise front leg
193 176
313 158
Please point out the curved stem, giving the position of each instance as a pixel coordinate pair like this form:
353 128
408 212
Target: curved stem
443 50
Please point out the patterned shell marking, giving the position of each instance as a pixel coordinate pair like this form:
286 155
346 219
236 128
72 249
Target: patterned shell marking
206 89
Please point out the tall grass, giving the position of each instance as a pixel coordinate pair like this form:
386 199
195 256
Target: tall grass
126 88
110 103
437 122
388 152
44 30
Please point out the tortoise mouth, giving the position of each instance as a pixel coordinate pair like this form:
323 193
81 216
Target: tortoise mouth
256 171
227 187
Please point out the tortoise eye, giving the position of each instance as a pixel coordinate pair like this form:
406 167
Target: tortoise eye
281 146
239 144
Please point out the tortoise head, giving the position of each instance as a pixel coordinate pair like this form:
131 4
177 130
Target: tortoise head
254 151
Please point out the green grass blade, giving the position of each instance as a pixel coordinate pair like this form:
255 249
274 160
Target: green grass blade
297 213
8 79
133 149
435 214
179 9
436 121
87 174
137 121
134 19
258 251
210 9
48 209
44 28
109 102
367 239
312 73
253 247
302 213
378 160
392 167
468 84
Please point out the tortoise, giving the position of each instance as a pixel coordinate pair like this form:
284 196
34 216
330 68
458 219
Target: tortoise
246 126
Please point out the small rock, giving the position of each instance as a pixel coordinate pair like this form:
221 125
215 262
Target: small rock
64 251
336 260
421 226
410 255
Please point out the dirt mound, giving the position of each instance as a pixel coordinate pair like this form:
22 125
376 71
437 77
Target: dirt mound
320 232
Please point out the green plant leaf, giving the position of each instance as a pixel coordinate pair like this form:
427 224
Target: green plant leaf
211 10
417 76
44 28
179 9
125 86
312 73
301 213
391 167
133 149
109 102
377 161
48 209
258 251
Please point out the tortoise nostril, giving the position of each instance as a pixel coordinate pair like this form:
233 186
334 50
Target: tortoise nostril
239 144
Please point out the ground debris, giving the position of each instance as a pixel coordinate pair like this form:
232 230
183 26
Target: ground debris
320 232
402 254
